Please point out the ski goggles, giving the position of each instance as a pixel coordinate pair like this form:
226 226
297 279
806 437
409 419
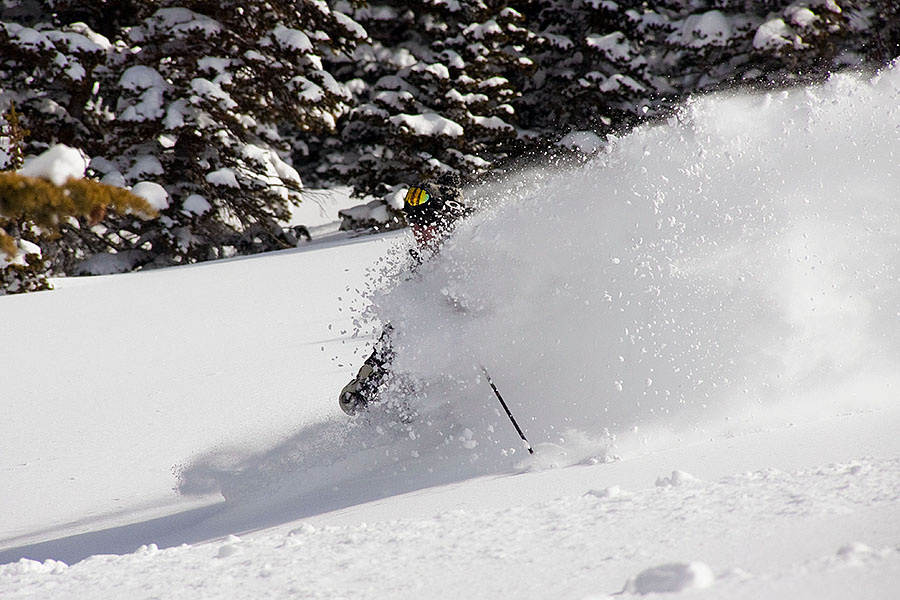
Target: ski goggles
416 196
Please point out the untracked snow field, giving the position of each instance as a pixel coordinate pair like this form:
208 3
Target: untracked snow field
697 330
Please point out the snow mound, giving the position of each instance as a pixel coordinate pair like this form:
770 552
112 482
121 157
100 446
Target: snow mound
677 479
612 491
155 194
669 578
428 124
58 164
26 567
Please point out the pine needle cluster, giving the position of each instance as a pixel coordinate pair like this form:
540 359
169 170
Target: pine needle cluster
40 203
15 134
33 209
45 204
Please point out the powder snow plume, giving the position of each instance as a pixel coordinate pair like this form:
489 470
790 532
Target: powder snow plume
738 262
733 269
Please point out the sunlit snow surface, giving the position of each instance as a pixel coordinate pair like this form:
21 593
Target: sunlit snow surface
729 277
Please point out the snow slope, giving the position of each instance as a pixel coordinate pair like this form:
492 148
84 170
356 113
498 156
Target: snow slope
695 331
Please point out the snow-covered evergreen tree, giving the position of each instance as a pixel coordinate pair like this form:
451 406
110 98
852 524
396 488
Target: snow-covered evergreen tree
212 111
398 123
47 194
212 91
716 43
189 96
592 68
435 88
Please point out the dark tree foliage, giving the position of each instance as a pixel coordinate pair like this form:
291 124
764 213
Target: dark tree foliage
562 66
224 105
433 92
201 98
592 67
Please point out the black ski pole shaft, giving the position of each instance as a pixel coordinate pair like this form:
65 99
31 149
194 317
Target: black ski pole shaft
508 412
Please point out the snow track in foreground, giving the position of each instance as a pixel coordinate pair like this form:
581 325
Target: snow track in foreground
727 533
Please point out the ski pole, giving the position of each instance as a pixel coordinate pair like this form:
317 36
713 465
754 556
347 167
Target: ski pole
508 412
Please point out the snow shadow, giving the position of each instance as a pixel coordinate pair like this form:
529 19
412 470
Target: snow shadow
171 530
385 452
331 465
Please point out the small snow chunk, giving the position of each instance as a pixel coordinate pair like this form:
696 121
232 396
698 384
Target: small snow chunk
856 469
438 70
214 63
856 554
28 36
352 26
617 81
145 164
29 248
613 491
151 86
228 550
75 72
82 38
614 45
801 16
212 90
223 176
428 124
196 204
273 166
586 142
181 21
304 529
493 82
678 478
57 164
139 78
25 566
147 549
491 122
395 198
711 28
153 193
673 577
854 548
292 38
175 114
773 34
480 31
560 41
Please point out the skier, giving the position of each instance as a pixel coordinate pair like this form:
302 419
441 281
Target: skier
432 209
